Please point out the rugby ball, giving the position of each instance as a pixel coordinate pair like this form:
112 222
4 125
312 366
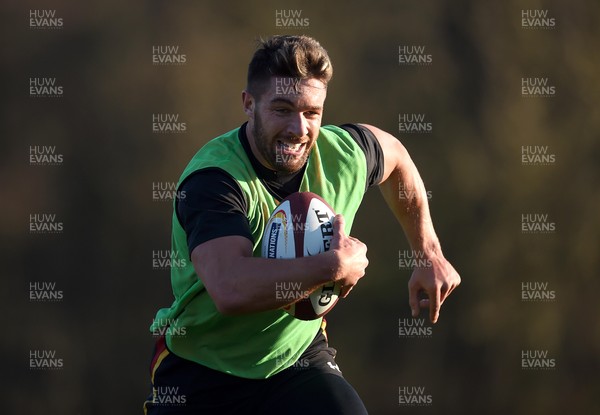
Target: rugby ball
302 225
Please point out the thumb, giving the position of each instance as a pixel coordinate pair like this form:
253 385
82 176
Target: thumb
339 224
413 300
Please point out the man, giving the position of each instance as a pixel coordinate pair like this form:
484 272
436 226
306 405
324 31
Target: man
239 353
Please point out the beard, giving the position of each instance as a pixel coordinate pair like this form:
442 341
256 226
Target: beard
273 154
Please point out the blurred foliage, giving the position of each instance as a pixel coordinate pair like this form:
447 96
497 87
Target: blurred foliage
471 162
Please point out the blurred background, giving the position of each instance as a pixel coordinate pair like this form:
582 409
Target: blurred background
81 292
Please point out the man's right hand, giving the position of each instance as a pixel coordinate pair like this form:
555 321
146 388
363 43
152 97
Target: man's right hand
350 255
240 283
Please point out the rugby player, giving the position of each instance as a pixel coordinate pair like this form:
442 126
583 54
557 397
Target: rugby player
240 352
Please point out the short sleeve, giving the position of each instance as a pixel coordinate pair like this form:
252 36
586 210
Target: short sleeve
211 205
367 141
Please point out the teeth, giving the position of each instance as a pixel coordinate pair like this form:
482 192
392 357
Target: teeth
292 147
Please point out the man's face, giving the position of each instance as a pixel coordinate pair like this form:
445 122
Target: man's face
284 123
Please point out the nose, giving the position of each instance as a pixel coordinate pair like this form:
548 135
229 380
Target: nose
297 125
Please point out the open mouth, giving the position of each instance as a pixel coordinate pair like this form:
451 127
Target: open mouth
286 147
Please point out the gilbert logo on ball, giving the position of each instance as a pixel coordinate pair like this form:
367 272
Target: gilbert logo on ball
302 226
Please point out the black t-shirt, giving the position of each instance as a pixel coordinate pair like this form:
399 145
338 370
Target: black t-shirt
214 205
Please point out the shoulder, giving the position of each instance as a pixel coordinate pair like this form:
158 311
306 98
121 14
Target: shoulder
224 153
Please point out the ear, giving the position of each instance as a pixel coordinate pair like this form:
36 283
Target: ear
248 103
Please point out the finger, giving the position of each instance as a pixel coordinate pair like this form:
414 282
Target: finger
345 291
413 300
444 293
450 289
434 306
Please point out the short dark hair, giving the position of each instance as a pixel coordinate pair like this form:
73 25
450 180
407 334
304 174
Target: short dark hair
299 57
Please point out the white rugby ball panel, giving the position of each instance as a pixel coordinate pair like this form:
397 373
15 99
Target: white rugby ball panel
324 298
277 242
302 226
319 228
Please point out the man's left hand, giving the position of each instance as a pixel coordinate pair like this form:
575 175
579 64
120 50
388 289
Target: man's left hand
436 281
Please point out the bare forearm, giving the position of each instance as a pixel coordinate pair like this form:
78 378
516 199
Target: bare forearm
239 283
406 196
259 284
405 192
